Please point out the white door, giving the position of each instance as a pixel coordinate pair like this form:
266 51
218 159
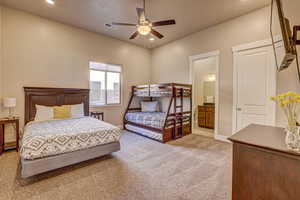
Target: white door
254 84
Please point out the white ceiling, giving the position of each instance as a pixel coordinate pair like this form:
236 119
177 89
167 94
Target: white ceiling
190 15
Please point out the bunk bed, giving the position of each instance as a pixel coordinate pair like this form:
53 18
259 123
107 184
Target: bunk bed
171 121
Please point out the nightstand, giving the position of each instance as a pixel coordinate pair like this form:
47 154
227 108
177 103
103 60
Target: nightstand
3 122
98 115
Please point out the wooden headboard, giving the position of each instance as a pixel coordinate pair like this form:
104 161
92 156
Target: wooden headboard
53 97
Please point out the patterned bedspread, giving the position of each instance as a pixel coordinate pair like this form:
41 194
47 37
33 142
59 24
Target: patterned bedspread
153 119
49 138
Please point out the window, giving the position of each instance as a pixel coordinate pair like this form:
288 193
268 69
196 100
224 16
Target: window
105 84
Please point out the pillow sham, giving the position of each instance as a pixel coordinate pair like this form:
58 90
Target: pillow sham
62 112
43 113
77 111
149 106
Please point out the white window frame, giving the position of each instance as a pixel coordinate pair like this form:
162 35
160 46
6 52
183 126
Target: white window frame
120 87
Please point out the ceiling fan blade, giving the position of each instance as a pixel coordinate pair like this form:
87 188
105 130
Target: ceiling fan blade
157 34
134 35
141 13
123 24
164 23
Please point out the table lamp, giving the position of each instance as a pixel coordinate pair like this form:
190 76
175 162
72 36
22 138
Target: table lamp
10 103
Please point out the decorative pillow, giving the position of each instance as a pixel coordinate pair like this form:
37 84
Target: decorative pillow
62 112
77 111
149 106
43 113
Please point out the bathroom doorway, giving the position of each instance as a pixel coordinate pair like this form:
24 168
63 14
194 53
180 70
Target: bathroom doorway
204 75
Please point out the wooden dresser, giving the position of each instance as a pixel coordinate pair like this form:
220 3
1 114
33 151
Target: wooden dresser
263 168
206 116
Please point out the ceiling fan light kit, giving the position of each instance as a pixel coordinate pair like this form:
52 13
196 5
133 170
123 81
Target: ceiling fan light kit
51 2
144 29
144 26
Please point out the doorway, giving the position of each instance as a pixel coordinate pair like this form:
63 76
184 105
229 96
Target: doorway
204 76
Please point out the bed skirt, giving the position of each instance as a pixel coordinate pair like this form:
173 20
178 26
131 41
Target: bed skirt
38 166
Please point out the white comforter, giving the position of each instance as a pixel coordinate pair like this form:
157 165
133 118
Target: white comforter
48 138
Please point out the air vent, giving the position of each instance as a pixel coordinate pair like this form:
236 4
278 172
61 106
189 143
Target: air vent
108 25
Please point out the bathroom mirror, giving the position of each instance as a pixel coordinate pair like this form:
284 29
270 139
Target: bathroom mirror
209 92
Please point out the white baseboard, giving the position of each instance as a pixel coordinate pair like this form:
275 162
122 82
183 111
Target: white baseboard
222 138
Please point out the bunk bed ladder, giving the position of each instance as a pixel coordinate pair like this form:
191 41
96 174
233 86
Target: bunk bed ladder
178 116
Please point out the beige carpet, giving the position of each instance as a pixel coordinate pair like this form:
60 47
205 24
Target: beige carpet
192 168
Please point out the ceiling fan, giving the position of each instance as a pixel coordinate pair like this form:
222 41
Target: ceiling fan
145 26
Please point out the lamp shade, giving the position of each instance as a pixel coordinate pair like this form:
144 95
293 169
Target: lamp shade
9 102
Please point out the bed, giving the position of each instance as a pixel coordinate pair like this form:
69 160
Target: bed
53 144
150 124
175 120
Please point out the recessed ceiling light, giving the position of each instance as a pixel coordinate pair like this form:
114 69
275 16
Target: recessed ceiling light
52 2
151 39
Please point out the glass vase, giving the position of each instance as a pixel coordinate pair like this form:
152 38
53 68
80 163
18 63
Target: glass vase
292 138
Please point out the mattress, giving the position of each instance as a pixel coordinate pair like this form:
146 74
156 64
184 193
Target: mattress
145 132
54 137
152 119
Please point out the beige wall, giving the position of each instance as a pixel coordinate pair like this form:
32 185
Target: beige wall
287 80
40 52
1 66
252 27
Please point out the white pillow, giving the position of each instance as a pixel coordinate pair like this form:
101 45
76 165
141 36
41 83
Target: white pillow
77 111
149 106
43 113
